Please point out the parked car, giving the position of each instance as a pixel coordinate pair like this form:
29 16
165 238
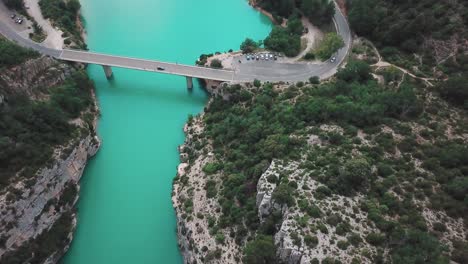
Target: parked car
13 16
248 57
275 57
257 57
20 21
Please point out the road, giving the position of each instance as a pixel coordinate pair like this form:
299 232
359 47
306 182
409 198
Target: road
245 72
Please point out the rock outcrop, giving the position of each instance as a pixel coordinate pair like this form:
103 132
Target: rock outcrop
32 76
31 207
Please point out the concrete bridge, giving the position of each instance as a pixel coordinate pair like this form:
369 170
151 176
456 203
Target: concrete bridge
108 61
245 72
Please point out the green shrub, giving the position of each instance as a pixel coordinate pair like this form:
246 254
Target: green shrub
12 54
215 63
330 44
311 241
211 168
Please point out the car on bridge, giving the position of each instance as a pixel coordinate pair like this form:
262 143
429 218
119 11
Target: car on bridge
160 68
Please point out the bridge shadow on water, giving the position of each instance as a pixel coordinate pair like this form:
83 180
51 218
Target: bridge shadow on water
154 86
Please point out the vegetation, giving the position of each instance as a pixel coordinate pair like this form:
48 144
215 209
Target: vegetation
401 28
37 250
64 14
30 130
11 54
330 44
248 46
255 126
286 40
14 4
455 90
260 251
215 63
319 12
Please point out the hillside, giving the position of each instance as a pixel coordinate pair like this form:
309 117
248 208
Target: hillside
369 167
47 133
428 37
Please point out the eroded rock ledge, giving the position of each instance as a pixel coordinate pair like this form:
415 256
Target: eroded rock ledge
32 208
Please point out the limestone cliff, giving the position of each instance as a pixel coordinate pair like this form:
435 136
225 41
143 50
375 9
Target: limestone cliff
40 209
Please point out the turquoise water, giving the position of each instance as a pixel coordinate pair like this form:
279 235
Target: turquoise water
125 213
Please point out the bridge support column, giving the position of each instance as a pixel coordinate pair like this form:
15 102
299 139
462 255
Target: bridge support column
107 71
189 82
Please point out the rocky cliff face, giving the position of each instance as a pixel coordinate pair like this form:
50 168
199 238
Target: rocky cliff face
196 211
32 77
43 206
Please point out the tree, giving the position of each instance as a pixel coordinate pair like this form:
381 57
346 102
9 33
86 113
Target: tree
248 46
261 250
281 40
362 16
314 80
257 83
330 44
455 90
355 174
319 12
355 70
14 4
215 63
295 26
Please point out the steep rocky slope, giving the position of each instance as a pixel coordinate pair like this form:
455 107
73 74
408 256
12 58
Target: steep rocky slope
37 200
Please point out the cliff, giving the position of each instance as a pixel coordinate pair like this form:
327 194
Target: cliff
286 174
38 218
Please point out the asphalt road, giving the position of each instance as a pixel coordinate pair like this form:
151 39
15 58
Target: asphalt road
245 72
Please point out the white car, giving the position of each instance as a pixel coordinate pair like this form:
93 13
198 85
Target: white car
333 59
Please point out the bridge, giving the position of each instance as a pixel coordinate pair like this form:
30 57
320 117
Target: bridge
244 72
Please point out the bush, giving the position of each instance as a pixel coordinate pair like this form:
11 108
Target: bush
257 83
260 250
309 56
311 241
281 40
211 168
64 13
375 239
330 44
215 63
314 80
343 244
12 54
248 46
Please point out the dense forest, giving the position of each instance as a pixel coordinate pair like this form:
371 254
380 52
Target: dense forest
424 34
319 12
30 130
11 54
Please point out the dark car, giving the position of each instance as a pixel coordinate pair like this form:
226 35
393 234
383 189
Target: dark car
13 16
160 69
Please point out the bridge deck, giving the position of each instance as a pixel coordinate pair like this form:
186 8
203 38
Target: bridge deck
147 65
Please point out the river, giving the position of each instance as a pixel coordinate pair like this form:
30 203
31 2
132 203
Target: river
125 213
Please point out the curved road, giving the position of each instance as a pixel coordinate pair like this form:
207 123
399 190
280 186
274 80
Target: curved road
245 72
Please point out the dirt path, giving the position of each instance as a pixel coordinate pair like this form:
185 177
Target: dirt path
383 64
54 36
312 36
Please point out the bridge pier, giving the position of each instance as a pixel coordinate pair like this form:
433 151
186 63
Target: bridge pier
107 71
189 82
